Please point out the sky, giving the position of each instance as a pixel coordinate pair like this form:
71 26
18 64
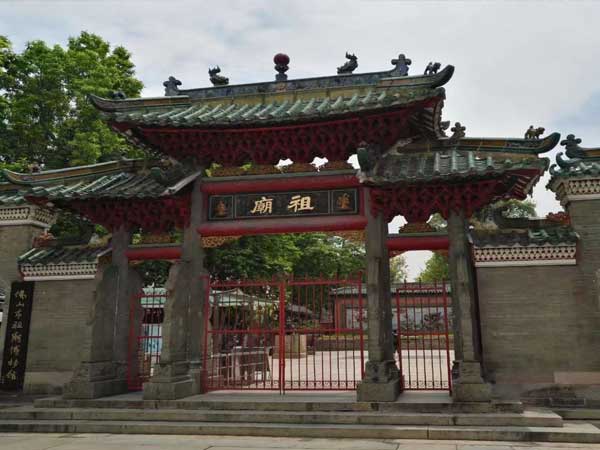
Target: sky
518 63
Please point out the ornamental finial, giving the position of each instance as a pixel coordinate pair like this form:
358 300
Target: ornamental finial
350 65
171 86
458 132
534 133
281 61
401 63
571 144
215 78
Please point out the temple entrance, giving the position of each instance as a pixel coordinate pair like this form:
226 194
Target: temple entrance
421 323
289 335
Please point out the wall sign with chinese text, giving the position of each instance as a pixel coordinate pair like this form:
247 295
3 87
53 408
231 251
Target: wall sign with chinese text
17 335
283 204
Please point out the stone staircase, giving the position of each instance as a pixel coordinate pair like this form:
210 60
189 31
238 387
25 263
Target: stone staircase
309 419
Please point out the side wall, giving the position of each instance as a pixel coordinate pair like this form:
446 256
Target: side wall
57 334
14 241
540 337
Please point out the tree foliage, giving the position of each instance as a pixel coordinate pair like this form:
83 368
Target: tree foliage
303 255
436 267
398 269
45 114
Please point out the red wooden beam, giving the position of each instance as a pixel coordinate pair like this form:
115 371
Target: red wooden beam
408 243
153 253
285 225
290 183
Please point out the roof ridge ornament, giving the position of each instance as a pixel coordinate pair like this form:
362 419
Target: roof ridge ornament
574 153
172 87
534 133
458 132
432 68
350 65
573 150
281 61
401 63
215 78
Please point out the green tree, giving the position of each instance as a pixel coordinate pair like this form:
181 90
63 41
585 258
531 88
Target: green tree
436 268
303 255
45 114
398 269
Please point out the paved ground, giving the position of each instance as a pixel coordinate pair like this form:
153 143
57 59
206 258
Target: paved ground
331 369
14 441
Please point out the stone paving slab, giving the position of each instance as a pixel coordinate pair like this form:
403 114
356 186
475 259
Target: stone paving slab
17 441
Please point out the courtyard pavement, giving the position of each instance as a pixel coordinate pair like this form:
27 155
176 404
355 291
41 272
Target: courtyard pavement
16 441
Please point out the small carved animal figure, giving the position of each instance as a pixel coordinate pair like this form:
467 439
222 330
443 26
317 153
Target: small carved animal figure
350 65
534 133
215 79
432 68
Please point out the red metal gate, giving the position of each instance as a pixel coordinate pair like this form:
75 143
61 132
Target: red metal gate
422 339
283 335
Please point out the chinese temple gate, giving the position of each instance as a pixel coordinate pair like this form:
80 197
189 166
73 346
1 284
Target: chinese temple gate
218 180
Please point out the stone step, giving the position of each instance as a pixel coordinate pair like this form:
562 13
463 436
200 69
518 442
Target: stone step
537 418
575 433
285 405
578 413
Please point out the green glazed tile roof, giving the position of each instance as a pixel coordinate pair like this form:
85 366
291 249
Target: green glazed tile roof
551 235
11 198
62 255
417 167
119 179
265 109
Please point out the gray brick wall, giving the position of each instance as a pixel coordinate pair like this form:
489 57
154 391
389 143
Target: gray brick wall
14 241
56 337
541 324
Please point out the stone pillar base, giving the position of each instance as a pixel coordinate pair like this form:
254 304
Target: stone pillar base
388 391
171 390
94 380
381 382
469 386
197 376
171 381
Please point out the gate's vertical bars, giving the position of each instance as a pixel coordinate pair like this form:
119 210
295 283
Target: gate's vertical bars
416 338
347 282
399 338
314 337
445 300
439 333
408 355
422 333
282 337
430 299
323 350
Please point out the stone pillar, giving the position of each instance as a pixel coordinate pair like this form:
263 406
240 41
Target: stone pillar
382 378
103 367
179 372
469 386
